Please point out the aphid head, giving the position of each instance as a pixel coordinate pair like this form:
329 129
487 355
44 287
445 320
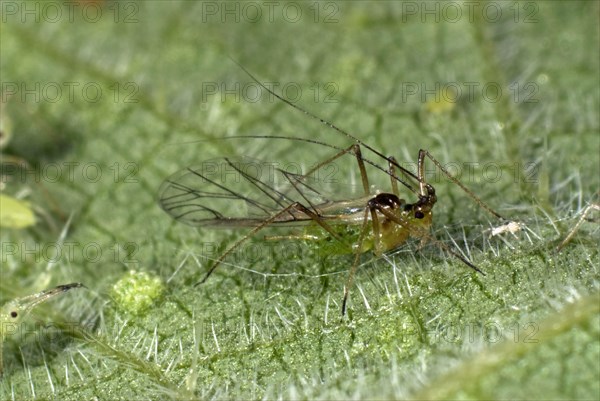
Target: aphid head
418 210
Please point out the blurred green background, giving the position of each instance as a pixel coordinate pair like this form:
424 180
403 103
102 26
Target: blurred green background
107 99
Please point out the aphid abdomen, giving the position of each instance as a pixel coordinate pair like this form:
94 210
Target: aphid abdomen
328 245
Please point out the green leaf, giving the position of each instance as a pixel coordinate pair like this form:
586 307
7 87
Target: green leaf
108 99
15 213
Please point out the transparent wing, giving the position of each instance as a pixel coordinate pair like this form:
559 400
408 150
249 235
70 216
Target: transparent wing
234 192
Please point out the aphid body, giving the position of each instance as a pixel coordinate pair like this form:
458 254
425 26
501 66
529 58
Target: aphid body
377 222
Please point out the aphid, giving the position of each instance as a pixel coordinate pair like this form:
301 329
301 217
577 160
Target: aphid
14 311
376 221
584 214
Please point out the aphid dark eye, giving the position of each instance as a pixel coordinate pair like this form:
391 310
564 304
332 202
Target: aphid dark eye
14 314
419 214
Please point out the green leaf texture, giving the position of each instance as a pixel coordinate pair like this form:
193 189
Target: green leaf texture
107 99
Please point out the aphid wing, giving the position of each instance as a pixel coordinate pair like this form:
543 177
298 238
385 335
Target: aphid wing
225 192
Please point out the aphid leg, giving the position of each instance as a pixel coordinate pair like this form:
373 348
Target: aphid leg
357 251
392 163
354 149
296 182
422 183
423 242
569 237
294 206
371 208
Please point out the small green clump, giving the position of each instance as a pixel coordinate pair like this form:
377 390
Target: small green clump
137 291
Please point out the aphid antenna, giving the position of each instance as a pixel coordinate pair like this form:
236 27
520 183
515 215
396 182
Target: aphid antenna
322 120
316 142
391 160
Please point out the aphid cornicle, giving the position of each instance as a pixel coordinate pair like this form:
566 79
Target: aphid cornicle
384 221
13 312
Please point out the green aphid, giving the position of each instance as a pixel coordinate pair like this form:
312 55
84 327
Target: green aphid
137 291
13 312
379 219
